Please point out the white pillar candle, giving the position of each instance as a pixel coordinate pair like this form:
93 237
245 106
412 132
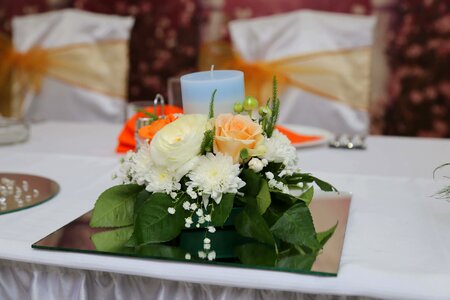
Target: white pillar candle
197 88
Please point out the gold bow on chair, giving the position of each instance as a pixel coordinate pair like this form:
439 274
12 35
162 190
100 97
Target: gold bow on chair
341 75
81 65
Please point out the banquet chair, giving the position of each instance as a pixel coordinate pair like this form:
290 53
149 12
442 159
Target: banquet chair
83 73
321 61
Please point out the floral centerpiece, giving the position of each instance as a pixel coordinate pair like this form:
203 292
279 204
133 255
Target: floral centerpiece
200 174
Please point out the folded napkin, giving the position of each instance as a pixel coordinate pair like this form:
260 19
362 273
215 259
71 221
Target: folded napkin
127 141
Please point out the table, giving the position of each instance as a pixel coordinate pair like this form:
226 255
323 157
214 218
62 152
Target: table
397 243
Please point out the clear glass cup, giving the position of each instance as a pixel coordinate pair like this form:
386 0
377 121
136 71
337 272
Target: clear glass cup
13 131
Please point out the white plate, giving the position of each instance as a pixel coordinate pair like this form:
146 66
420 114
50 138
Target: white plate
325 136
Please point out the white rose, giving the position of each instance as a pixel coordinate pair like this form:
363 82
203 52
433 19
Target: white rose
255 164
177 143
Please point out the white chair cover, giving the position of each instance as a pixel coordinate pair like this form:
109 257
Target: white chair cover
58 100
304 32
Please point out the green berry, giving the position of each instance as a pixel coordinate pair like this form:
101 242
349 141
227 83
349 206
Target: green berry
250 103
238 107
265 111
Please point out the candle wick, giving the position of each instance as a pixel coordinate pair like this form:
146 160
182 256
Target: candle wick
212 71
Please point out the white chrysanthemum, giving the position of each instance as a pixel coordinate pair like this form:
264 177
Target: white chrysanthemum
214 176
156 179
280 150
162 181
142 164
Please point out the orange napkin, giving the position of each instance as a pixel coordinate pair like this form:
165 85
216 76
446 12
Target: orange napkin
297 138
127 142
126 136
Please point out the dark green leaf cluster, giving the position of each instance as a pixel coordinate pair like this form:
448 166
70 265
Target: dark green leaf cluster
279 225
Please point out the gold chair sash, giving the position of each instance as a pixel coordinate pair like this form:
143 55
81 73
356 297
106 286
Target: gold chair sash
341 75
100 67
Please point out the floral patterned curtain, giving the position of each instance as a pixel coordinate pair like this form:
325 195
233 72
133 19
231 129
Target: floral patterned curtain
418 54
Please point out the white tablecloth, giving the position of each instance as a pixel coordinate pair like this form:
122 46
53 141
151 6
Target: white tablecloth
397 243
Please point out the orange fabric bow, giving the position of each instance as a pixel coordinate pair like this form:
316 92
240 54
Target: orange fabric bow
100 67
341 75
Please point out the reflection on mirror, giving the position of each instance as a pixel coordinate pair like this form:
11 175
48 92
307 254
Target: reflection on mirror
231 249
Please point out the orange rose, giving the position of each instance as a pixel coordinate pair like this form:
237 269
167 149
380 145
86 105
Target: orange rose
237 132
148 132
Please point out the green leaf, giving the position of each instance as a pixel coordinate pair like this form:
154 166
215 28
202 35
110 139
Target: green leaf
244 154
252 182
296 227
114 207
307 195
256 254
250 223
222 211
272 215
153 222
140 199
263 198
324 186
207 142
113 240
157 250
324 236
211 105
300 262
282 199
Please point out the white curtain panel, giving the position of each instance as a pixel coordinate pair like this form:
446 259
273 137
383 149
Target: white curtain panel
305 32
59 100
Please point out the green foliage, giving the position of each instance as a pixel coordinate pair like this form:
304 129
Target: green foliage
140 199
158 250
114 207
296 227
222 211
443 193
252 182
244 154
153 222
250 223
307 195
274 105
324 236
113 240
263 198
298 261
153 117
211 105
308 178
256 254
207 142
